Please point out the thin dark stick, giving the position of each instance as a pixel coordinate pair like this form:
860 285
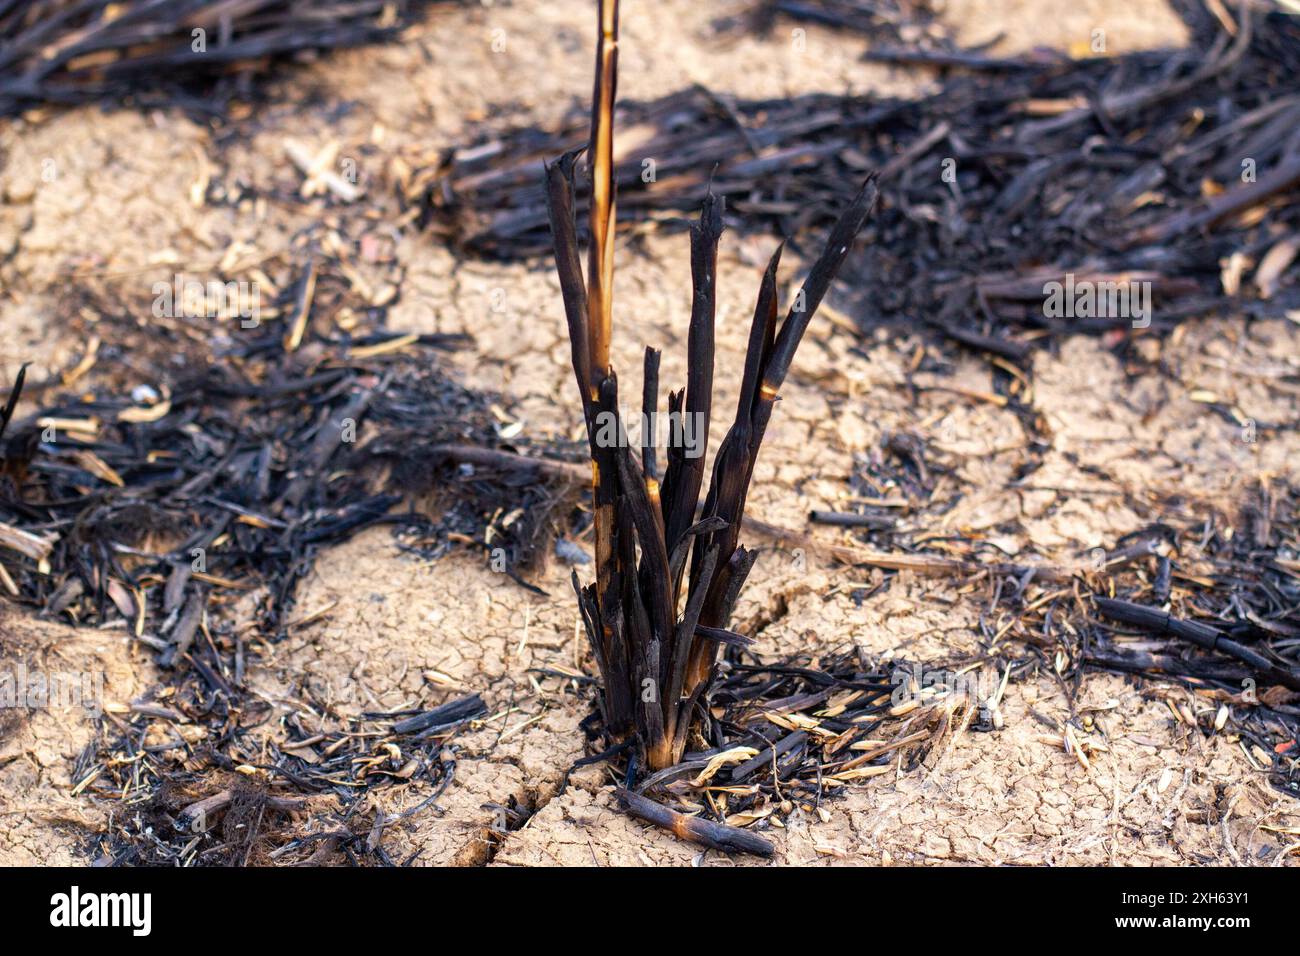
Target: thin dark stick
849 519
1202 635
717 836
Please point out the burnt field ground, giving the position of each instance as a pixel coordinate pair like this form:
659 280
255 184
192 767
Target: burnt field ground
379 658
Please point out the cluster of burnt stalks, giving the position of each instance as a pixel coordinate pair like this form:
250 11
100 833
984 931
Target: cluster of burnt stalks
667 573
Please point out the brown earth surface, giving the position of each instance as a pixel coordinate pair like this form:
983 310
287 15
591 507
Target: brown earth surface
108 200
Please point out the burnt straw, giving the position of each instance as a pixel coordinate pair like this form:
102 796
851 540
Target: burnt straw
667 579
1018 172
183 509
76 51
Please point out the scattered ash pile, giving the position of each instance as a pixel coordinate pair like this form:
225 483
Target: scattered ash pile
194 53
1168 174
901 31
185 510
1204 609
1205 596
232 473
202 804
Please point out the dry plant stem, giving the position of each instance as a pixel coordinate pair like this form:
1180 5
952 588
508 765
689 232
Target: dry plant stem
11 402
717 836
601 384
686 474
1202 635
766 364
25 543
666 582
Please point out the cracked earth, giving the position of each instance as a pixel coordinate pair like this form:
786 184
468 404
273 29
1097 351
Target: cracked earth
397 631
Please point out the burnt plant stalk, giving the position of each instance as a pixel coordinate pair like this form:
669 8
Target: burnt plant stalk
667 572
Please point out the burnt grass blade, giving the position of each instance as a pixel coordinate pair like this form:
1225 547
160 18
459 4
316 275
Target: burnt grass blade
1001 183
654 616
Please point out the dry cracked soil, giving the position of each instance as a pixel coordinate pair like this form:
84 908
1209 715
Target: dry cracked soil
401 631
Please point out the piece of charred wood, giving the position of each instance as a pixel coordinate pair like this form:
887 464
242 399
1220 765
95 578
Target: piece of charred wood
1202 635
716 836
